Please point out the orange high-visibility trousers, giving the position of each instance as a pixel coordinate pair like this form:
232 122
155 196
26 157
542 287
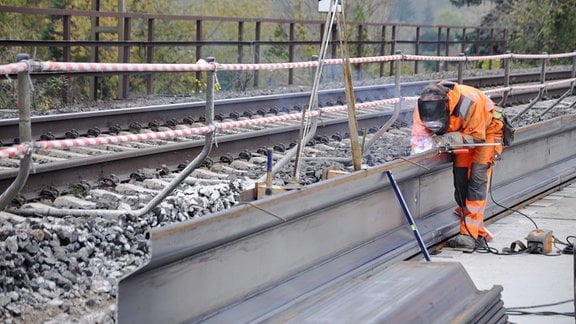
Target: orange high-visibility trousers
472 173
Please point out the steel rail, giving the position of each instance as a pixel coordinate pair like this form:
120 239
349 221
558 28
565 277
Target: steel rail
253 261
59 175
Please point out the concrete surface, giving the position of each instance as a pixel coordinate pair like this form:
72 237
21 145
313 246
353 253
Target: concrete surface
529 279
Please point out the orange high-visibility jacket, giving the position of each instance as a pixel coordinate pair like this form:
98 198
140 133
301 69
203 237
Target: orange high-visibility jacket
470 114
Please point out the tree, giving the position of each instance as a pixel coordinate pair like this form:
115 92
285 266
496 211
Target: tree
543 26
535 26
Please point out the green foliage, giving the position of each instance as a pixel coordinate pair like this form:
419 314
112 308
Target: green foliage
47 93
544 26
487 64
8 91
406 69
535 26
277 53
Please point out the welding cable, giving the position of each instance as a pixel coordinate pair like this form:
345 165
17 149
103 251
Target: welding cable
569 245
520 310
569 249
508 208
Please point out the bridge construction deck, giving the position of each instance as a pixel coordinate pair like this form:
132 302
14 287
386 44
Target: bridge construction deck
528 279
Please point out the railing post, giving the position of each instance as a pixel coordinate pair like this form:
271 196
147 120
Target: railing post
292 37
491 44
417 49
438 47
393 48
125 57
358 67
505 41
257 52
461 65
313 70
447 49
240 57
210 76
478 31
198 49
382 48
25 131
543 69
150 57
66 34
397 76
506 79
335 41
463 43
573 75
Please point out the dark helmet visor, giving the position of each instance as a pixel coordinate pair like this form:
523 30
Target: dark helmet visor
434 115
432 110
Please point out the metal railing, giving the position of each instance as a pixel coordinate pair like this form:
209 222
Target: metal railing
246 40
25 68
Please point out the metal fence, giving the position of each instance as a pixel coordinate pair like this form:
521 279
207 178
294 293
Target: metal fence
142 38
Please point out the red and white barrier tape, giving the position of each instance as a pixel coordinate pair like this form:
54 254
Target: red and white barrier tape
124 67
49 66
13 68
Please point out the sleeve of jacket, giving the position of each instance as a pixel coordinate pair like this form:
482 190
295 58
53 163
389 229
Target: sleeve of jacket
475 122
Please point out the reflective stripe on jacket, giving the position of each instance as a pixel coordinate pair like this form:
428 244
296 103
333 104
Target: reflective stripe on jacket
471 113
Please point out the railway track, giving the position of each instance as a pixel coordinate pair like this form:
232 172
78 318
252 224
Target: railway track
57 170
113 121
180 237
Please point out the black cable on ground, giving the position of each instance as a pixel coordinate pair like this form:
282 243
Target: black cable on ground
483 247
569 245
520 310
508 208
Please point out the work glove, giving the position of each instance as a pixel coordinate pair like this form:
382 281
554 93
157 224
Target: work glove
449 139
422 144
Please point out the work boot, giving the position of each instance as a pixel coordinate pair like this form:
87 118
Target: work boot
481 243
462 241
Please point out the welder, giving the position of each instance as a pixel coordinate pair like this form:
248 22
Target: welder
449 114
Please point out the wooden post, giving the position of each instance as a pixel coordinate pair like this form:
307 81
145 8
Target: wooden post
350 99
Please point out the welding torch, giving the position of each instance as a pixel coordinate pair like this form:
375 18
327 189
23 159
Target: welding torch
462 148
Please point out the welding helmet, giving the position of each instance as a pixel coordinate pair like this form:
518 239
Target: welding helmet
435 115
